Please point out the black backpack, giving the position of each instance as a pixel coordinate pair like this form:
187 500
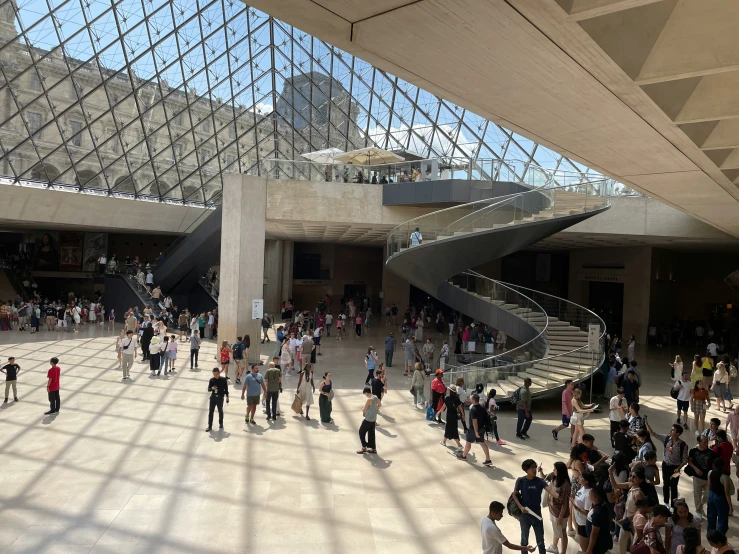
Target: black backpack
516 396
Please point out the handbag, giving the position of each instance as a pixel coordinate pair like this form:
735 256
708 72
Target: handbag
513 510
641 547
331 395
728 396
545 497
297 405
674 393
413 391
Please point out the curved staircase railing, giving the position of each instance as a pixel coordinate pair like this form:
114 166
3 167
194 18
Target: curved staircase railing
552 332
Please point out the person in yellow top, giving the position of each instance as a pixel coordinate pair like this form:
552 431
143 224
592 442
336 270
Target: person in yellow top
707 367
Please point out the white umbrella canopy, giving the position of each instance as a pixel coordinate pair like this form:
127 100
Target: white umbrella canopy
326 156
368 156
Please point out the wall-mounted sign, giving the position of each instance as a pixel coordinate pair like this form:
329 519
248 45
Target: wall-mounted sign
257 308
594 337
605 278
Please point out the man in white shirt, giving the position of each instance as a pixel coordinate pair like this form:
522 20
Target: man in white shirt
618 411
683 387
128 346
713 351
416 237
329 321
317 340
492 538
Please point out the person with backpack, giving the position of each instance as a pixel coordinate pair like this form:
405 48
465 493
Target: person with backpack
237 351
479 422
522 398
527 496
597 524
675 458
651 542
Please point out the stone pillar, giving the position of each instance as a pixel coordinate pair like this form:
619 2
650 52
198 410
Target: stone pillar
288 251
242 260
273 277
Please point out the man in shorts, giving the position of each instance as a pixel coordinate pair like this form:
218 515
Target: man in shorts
183 324
253 387
476 431
566 409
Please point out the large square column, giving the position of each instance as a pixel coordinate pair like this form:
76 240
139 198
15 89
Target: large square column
242 258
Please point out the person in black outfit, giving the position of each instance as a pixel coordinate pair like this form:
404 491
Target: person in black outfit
218 388
378 387
453 407
622 441
146 335
598 524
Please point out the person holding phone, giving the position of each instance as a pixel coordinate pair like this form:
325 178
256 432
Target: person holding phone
527 495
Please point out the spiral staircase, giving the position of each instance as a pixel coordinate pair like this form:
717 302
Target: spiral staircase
551 333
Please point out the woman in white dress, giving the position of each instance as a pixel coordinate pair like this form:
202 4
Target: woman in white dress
91 313
631 347
286 359
306 388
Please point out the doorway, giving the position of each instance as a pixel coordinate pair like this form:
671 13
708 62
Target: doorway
607 300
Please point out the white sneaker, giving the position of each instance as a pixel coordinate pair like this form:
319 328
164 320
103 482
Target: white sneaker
553 549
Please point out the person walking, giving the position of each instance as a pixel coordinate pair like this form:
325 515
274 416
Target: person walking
253 385
194 348
566 410
358 325
218 388
527 496
683 386
476 431
326 391
700 401
306 350
171 353
523 406
598 524
389 349
674 459
367 428
719 498
707 367
700 462
370 362
438 390
411 355
52 386
453 408
128 347
225 358
418 384
680 521
155 355
164 355
273 382
720 385
11 371
306 388
237 351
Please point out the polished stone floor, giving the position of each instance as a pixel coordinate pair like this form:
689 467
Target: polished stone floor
127 466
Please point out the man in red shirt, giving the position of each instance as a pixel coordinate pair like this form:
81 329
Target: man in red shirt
723 449
52 387
566 409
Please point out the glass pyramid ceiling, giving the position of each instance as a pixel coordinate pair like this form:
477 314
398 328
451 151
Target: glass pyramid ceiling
159 98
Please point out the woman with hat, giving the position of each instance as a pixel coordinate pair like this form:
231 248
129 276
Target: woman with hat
453 407
438 389
721 380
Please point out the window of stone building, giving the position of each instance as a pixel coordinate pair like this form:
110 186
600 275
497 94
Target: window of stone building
204 156
232 130
34 81
34 124
206 126
231 163
115 144
177 119
75 128
177 151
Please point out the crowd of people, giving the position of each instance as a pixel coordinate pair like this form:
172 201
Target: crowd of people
605 501
67 314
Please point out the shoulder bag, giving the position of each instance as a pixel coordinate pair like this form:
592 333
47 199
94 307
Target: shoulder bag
513 510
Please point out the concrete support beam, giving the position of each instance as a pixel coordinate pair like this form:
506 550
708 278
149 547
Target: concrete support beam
396 291
714 98
699 39
725 134
586 9
242 266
